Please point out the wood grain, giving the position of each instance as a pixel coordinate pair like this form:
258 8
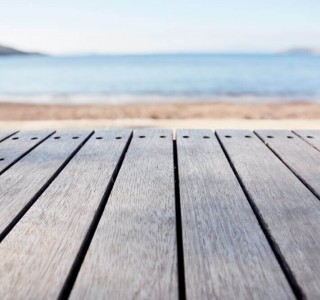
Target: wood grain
37 255
5 134
312 137
23 181
226 253
289 211
299 156
133 254
16 146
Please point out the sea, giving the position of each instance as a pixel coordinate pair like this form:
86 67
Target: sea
160 78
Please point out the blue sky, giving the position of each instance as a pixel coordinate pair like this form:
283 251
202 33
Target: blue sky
130 26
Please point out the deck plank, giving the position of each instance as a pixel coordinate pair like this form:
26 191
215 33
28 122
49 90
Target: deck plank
5 134
312 137
22 183
288 209
38 253
299 156
16 146
221 235
133 253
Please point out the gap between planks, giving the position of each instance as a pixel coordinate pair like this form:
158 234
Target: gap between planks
72 276
109 152
19 195
289 209
10 148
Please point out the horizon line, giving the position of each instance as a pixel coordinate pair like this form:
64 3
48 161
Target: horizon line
289 50
297 50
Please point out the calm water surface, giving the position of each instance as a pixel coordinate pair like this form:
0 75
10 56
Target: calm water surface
143 78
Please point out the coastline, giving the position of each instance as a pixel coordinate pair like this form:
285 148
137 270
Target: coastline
199 110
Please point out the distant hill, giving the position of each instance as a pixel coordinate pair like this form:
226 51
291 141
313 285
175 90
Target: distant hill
12 51
302 51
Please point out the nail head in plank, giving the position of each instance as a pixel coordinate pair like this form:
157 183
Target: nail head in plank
5 134
312 137
289 211
226 254
13 148
133 253
299 156
24 180
38 253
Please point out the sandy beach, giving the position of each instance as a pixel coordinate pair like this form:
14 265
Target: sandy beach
212 110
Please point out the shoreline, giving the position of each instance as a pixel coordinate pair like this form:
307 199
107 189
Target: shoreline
126 99
199 110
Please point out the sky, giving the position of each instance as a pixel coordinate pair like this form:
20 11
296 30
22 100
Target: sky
149 26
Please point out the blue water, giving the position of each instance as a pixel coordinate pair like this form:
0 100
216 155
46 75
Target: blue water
143 78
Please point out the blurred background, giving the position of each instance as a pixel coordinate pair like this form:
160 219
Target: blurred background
163 59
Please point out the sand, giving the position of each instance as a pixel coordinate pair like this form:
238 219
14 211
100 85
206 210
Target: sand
190 115
212 110
161 123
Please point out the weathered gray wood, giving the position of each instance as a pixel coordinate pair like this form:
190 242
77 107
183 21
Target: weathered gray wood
289 210
310 136
36 256
299 156
5 134
226 254
21 183
14 147
133 253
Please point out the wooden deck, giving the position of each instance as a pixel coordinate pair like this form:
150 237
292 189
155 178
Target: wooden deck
231 214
